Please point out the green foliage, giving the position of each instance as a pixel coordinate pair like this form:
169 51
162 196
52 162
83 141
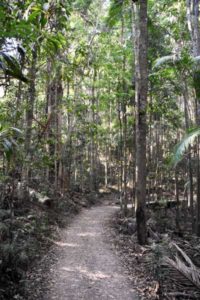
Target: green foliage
196 83
183 146
8 140
82 5
10 67
175 60
115 12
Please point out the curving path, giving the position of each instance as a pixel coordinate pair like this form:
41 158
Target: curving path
86 267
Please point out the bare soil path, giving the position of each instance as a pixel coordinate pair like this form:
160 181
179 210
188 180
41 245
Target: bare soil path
86 266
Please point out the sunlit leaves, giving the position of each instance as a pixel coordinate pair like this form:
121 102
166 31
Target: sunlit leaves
54 42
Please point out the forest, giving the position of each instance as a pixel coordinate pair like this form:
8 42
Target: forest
99 149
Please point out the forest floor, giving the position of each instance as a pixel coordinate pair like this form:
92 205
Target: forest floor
167 267
51 253
30 232
82 264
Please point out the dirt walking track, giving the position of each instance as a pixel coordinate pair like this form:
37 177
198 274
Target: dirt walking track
86 267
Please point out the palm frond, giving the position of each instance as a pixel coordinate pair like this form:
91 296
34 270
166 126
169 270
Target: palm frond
185 267
165 59
8 140
196 59
184 145
115 12
173 59
11 67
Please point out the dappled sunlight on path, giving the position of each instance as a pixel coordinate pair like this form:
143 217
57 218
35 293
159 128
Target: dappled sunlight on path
87 268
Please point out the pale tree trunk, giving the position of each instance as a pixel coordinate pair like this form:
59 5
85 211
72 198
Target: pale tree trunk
190 173
58 150
196 51
125 200
108 156
124 124
48 113
193 26
93 179
141 105
120 158
54 97
29 115
135 34
177 202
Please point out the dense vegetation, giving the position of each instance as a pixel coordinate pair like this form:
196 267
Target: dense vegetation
100 95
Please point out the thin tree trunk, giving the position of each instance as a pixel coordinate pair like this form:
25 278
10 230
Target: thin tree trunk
124 124
93 180
54 97
29 114
177 201
141 105
135 33
190 174
120 156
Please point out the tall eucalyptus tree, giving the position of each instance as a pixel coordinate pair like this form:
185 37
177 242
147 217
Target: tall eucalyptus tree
141 89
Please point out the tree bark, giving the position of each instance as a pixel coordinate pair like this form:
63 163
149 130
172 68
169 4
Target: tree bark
54 97
29 114
193 27
141 104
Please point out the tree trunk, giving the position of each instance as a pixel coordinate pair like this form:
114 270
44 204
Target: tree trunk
193 26
93 179
190 173
54 97
29 114
124 123
141 104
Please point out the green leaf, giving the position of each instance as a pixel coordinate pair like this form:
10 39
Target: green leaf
33 15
